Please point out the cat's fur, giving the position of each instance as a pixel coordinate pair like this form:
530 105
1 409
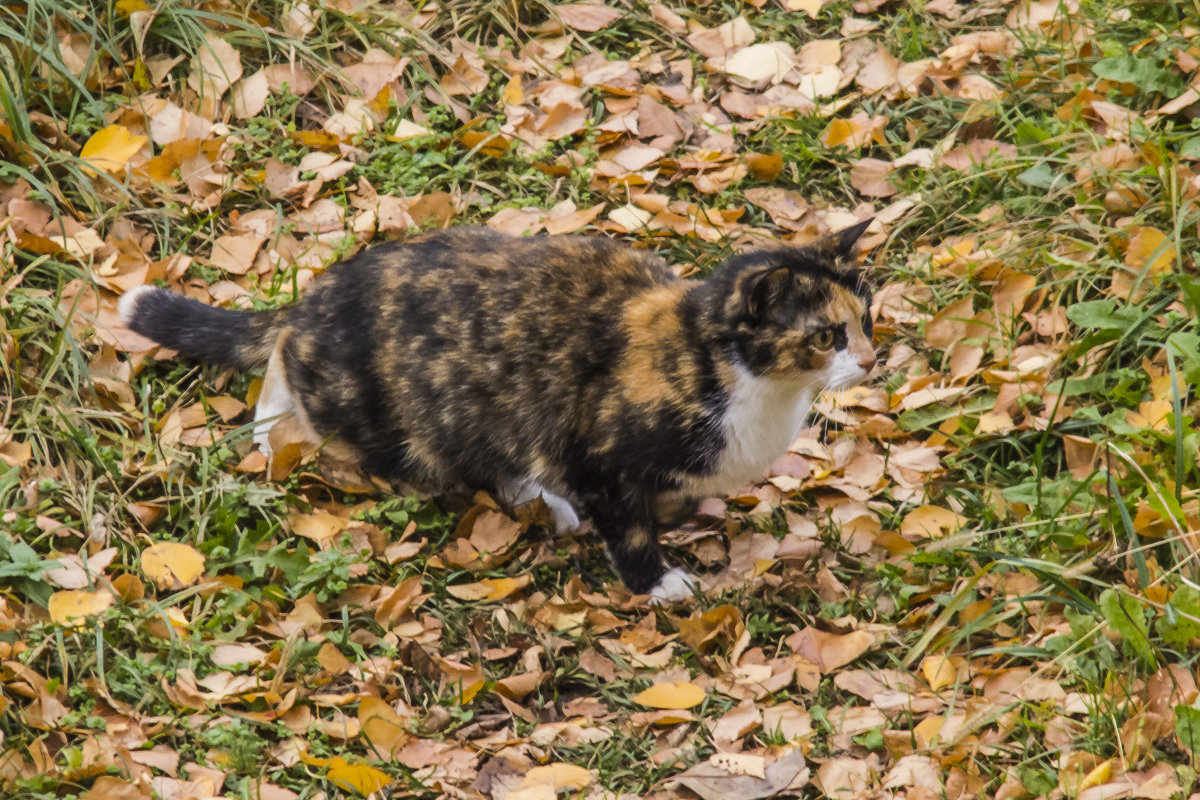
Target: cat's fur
574 368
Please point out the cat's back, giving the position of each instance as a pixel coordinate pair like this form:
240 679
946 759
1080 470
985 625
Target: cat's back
462 260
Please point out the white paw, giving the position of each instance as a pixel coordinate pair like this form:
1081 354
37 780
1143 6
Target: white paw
674 586
565 518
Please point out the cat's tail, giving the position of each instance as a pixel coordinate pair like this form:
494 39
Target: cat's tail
221 336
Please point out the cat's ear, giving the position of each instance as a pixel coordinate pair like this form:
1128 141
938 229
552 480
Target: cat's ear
759 288
844 240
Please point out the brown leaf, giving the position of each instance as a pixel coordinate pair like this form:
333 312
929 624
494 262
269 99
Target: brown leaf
930 522
587 18
396 602
494 532
464 78
869 176
385 730
235 253
1149 248
736 723
878 71
722 40
787 720
249 95
846 778
216 67
109 787
715 783
571 221
950 324
830 650
705 629
319 526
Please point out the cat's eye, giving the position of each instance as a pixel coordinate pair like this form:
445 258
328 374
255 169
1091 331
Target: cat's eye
822 340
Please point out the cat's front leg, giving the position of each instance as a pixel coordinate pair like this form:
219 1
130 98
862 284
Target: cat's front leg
632 544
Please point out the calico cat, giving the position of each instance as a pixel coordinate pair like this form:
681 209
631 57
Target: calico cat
572 368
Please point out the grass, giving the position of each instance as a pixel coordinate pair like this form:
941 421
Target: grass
1081 572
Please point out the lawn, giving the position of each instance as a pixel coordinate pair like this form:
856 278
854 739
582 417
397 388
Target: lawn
976 576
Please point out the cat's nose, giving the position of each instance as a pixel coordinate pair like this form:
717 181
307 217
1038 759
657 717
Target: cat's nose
867 362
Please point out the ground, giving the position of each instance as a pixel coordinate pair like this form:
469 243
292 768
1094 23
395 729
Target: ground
976 576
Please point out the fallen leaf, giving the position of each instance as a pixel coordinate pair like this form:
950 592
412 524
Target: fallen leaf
930 522
380 725
558 776
75 604
109 149
714 782
361 778
765 166
830 651
319 526
671 695
1149 249
172 565
845 778
740 764
587 18
760 63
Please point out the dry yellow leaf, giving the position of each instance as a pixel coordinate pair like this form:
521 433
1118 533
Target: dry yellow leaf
469 591
940 670
74 604
501 588
362 778
469 690
514 91
559 776
810 7
319 526
929 729
382 726
840 131
765 166
110 149
676 694
1153 414
1149 249
172 565
128 7
1100 775
930 522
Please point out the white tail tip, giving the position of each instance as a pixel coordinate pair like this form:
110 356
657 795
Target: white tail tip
127 305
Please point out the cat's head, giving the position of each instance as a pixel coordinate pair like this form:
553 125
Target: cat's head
798 312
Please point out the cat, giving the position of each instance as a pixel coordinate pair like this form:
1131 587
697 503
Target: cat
571 368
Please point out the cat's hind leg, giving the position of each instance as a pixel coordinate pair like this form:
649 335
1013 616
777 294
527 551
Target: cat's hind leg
519 492
277 401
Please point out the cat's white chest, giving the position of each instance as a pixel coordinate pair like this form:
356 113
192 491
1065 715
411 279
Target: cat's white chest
763 417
